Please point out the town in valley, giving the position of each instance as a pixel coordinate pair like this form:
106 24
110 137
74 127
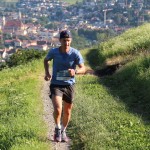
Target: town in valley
35 24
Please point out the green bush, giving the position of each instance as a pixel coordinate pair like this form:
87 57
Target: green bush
24 56
2 65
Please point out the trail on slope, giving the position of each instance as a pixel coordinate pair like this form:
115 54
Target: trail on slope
48 115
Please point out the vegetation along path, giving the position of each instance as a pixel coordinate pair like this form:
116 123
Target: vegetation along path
110 111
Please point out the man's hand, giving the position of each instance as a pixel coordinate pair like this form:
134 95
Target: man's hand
47 77
71 72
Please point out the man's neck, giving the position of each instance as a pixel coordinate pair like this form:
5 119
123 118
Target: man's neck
63 50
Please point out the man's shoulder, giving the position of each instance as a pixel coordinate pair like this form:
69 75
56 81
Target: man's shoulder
54 49
73 50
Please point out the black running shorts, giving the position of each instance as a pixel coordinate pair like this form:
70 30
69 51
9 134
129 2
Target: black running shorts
65 91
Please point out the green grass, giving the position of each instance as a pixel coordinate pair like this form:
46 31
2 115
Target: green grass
21 125
101 120
110 113
133 42
134 81
72 1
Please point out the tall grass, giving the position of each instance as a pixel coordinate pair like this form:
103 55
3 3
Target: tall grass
134 81
21 124
131 42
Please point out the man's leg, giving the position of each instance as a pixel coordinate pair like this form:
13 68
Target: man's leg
57 104
67 107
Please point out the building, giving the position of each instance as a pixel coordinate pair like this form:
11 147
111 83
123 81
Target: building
14 26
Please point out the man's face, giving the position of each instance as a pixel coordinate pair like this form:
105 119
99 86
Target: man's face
65 42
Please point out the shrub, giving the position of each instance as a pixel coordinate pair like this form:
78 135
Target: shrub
24 56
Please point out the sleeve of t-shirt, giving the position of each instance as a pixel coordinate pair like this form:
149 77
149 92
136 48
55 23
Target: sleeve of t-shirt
80 59
50 54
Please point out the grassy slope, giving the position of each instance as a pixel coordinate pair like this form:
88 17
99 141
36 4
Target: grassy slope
103 121
109 113
125 47
21 126
113 112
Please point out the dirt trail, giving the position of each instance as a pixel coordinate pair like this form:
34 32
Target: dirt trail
48 117
48 108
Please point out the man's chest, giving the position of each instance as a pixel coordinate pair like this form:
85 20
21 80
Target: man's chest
65 60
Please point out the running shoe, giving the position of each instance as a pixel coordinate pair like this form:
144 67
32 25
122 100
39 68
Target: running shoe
64 137
57 135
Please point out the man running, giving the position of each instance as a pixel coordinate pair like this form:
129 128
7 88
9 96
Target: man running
65 59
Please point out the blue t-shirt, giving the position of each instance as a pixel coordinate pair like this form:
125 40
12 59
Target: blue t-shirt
61 63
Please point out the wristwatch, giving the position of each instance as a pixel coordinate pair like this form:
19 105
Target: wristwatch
76 71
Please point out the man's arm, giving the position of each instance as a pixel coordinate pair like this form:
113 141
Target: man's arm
80 70
46 67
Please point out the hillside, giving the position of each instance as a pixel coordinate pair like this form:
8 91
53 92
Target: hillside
7 1
113 111
21 125
68 1
110 111
125 48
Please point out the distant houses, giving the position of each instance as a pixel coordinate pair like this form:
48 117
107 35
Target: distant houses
43 39
91 15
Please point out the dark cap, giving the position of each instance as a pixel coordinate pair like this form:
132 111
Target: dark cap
65 34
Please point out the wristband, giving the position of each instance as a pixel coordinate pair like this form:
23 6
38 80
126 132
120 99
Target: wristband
76 71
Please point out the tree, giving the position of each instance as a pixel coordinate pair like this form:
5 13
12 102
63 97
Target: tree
51 26
43 20
24 56
59 14
106 35
7 36
79 42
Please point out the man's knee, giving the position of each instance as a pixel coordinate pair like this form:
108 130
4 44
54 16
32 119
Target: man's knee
67 112
57 111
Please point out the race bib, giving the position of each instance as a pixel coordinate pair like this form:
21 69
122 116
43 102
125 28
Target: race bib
63 75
